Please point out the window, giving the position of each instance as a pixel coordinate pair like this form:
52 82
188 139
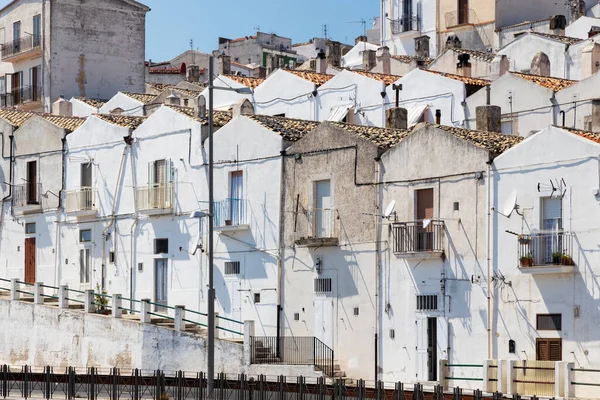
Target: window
111 257
17 35
31 185
296 316
551 226
548 349
427 302
232 268
463 12
323 213
37 30
549 322
85 235
2 85
30 228
356 311
323 285
161 246
140 267
424 211
256 298
35 79
84 265
159 173
236 196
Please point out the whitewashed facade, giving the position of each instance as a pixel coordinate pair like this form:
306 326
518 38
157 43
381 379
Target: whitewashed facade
405 20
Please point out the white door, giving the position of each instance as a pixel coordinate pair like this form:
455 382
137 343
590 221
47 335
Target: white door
235 299
552 226
161 281
323 214
442 340
236 200
422 348
323 328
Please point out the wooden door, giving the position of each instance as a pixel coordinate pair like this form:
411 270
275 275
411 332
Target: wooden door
30 260
463 12
424 212
32 182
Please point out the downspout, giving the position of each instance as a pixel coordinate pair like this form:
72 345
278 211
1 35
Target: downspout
280 263
129 140
43 39
10 178
59 210
488 260
377 261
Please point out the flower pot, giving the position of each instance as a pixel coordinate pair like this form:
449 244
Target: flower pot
556 260
566 260
526 262
227 222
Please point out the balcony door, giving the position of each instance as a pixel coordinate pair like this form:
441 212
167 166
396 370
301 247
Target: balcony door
17 36
158 180
322 212
161 282
32 183
463 12
85 200
30 260
551 224
16 80
406 17
424 214
236 193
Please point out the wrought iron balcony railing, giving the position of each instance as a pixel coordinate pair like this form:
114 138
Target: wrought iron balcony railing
81 200
231 212
27 194
20 96
418 236
547 248
21 45
406 23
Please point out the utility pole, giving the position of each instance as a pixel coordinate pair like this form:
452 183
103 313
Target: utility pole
211 207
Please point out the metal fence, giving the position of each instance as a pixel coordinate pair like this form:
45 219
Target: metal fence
406 23
22 95
27 194
534 377
322 222
83 199
290 350
231 212
21 45
418 236
155 197
549 248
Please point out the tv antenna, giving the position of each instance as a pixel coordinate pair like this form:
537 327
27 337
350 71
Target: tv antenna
557 188
257 28
363 23
325 31
192 49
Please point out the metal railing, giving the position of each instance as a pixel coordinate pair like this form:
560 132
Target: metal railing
27 194
155 197
322 222
418 236
23 95
460 17
83 199
406 23
231 212
21 45
548 248
290 350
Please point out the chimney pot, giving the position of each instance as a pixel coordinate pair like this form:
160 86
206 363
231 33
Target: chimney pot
360 39
224 65
488 118
201 104
321 63
62 107
438 117
242 107
384 58
396 118
369 60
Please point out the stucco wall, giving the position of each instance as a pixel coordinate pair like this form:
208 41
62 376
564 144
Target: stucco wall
403 43
521 52
448 60
296 101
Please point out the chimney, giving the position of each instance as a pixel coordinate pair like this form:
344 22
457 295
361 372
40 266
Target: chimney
558 23
62 107
464 66
453 42
224 65
540 65
201 106
422 46
360 39
193 73
369 59
488 118
396 118
438 117
270 66
577 9
595 115
259 72
590 59
333 52
242 107
384 58
500 66
594 30
321 63
173 99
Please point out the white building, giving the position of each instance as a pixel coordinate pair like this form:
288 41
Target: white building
225 99
353 59
127 103
407 20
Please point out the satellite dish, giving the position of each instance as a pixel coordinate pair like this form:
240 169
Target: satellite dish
510 203
389 209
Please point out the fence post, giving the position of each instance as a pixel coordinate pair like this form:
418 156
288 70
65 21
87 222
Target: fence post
26 382
70 384
510 377
178 317
443 372
399 391
92 386
37 293
47 389
217 333
115 384
248 335
486 375
117 303
89 304
4 373
569 376
63 301
14 288
144 311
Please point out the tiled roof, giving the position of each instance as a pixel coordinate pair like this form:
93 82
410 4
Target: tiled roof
220 118
188 92
252 83
382 137
141 97
15 117
387 79
67 123
126 121
170 71
482 55
19 118
408 59
563 39
523 24
160 86
494 142
555 84
96 103
241 39
593 136
290 129
465 79
318 79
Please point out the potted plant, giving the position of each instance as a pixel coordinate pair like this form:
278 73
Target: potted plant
557 258
524 239
526 261
101 301
228 222
567 260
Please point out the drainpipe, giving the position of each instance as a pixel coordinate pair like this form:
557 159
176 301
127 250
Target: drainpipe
59 211
280 261
10 178
488 260
377 260
132 266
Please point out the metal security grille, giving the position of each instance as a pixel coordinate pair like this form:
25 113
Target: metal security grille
323 285
549 322
232 268
427 302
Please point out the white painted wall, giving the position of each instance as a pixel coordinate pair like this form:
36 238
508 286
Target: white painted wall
403 43
129 105
581 27
521 52
354 58
583 92
225 98
285 93
81 109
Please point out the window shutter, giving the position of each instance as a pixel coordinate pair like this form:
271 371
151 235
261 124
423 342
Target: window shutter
542 353
555 349
151 178
168 177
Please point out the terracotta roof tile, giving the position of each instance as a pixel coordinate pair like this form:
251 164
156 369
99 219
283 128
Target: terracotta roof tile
563 39
290 129
387 79
170 71
220 118
523 23
465 79
241 39
126 121
382 137
407 59
494 142
141 97
252 83
96 103
15 117
160 86
187 92
481 55
19 118
593 136
67 123
318 79
549 82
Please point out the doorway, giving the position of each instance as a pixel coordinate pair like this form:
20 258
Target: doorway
323 212
323 307
30 260
161 283
427 348
236 192
424 212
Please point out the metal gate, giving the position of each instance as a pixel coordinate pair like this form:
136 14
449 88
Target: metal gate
534 377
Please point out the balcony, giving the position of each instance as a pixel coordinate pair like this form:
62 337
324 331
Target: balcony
27 198
546 253
231 215
155 199
406 23
24 96
320 228
418 239
29 46
81 202
460 18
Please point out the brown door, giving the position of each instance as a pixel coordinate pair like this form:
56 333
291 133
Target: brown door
30 260
424 212
32 182
17 82
463 12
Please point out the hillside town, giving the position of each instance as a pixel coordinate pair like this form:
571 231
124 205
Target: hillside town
354 214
